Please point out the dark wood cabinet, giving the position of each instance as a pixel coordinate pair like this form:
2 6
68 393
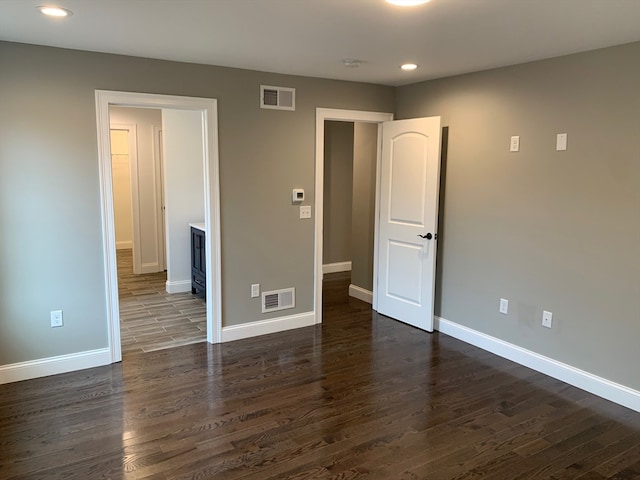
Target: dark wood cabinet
198 263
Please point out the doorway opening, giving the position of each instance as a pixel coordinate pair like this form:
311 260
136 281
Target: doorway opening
323 116
151 318
204 112
349 205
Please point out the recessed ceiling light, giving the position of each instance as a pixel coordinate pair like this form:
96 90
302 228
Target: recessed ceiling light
407 67
407 3
55 11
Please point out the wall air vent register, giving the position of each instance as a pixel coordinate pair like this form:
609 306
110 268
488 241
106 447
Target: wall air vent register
277 98
278 300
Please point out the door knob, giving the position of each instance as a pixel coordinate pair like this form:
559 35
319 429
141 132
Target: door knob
428 236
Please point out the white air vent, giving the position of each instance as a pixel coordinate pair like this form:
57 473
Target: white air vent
277 98
278 300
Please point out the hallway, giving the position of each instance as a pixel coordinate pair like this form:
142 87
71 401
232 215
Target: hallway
150 318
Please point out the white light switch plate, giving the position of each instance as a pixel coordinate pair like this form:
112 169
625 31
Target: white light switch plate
515 144
504 306
561 141
305 211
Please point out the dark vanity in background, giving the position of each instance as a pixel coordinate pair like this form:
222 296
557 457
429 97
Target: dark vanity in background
198 260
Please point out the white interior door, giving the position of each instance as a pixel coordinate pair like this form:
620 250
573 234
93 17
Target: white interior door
408 209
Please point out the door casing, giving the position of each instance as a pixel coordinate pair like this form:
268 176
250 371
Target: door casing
132 139
209 110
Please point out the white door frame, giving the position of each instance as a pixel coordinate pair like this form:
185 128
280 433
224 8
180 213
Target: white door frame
209 110
133 189
158 158
323 114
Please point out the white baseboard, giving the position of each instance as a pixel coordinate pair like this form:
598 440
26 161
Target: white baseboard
127 244
179 286
272 325
336 267
360 293
151 268
54 365
602 387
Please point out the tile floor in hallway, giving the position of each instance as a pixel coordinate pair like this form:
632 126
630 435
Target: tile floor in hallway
152 319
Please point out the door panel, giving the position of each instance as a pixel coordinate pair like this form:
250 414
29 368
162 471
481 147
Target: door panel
405 272
410 177
408 171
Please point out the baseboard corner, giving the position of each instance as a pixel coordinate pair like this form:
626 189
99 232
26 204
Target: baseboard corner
179 286
361 293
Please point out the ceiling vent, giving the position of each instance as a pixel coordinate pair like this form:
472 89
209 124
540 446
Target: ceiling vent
278 300
277 98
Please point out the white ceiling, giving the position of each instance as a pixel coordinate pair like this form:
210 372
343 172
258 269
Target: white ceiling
312 37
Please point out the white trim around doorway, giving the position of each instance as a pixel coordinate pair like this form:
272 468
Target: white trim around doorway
323 114
209 110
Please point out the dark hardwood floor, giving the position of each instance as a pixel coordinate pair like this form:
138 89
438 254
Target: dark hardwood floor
360 396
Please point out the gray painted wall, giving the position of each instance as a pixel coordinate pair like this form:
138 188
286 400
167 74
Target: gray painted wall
338 191
51 238
558 231
365 151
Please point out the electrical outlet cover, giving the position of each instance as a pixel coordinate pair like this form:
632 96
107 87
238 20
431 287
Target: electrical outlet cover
56 318
305 211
